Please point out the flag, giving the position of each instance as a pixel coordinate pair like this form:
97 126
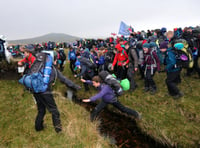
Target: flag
114 34
124 29
130 29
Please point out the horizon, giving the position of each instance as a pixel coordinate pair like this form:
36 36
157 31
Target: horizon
92 18
92 37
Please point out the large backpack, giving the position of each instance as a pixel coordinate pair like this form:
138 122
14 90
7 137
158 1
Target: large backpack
50 45
183 56
112 82
62 55
154 48
2 50
109 56
38 78
87 62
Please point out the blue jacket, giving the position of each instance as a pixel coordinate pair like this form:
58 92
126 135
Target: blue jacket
101 60
105 93
170 61
72 55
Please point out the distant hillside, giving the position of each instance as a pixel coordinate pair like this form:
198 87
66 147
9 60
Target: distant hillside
56 37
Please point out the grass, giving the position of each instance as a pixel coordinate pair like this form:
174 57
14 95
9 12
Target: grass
172 122
175 123
18 112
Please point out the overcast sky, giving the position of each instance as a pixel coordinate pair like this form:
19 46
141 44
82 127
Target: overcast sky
93 18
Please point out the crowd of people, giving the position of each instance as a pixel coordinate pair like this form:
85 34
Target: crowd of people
148 53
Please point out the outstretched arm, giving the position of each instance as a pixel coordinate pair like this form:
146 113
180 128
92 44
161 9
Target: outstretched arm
66 81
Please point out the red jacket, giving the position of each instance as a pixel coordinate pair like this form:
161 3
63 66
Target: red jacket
121 57
28 60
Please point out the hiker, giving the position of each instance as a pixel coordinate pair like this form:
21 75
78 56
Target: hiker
101 61
87 70
43 96
173 72
109 56
108 96
72 59
121 59
62 58
140 54
27 60
193 46
132 66
162 35
2 49
94 59
151 65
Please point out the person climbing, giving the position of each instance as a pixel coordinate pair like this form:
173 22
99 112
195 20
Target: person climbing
108 96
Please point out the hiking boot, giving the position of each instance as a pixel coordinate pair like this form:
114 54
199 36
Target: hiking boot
134 88
58 129
179 95
146 89
152 91
139 116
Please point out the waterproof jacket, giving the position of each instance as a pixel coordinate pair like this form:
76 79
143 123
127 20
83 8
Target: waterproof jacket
105 93
101 60
72 55
170 61
28 60
121 57
151 60
133 58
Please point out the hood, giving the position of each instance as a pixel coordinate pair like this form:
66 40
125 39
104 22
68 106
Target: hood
119 48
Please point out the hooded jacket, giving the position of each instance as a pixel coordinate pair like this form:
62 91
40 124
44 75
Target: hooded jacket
28 60
170 61
121 57
151 58
105 93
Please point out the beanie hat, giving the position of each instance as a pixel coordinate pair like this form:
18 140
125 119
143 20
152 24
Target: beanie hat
163 30
146 45
152 44
164 45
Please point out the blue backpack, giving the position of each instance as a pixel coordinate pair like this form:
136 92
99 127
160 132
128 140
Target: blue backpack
72 55
38 78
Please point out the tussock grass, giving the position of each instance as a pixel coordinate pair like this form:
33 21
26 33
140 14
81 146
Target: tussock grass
172 122
175 123
18 112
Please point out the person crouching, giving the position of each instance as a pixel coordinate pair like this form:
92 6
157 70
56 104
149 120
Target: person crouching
108 96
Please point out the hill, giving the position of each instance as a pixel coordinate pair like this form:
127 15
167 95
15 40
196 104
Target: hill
56 37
